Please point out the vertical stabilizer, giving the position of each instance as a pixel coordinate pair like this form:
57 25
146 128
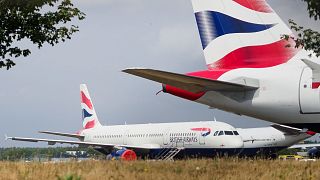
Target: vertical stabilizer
89 116
241 34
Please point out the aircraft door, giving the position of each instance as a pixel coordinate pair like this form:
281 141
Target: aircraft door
166 138
87 137
202 139
309 96
125 137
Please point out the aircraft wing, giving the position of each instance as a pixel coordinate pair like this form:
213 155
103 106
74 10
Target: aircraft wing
62 134
84 143
188 83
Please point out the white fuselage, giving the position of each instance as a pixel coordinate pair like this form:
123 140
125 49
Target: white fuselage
268 137
167 135
285 95
201 138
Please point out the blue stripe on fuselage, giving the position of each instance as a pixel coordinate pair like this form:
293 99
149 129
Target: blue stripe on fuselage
214 24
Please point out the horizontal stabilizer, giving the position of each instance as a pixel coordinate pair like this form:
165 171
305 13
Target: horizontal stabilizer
188 83
63 134
287 129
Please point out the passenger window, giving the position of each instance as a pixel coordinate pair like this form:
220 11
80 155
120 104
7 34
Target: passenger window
216 133
221 133
229 133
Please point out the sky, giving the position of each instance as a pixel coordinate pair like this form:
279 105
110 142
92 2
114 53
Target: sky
42 91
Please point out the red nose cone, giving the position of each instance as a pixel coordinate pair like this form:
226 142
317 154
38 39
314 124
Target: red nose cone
182 93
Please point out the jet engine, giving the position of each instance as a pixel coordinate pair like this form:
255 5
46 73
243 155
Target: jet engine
125 154
314 152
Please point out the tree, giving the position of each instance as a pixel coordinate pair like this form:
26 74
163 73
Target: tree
37 21
307 38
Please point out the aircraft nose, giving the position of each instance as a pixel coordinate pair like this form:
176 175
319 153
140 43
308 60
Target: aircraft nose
239 143
236 143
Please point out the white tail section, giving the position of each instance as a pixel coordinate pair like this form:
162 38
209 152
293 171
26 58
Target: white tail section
241 34
89 116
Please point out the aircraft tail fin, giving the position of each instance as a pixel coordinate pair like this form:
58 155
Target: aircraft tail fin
241 34
89 116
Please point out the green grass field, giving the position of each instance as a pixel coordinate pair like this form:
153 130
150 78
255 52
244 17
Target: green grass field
153 170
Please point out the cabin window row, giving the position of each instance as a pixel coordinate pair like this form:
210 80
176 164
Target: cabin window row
227 133
145 135
107 136
182 134
130 135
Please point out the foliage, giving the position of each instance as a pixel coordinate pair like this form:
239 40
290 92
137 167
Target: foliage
307 38
288 152
16 154
38 21
313 8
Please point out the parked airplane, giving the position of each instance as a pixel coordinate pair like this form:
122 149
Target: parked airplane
167 140
310 150
163 140
251 70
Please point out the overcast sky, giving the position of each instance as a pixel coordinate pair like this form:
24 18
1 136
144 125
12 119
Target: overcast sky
42 91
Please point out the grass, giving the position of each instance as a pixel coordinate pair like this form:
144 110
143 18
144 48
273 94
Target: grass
186 169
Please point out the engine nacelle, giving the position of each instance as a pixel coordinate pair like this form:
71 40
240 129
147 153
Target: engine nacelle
314 152
126 155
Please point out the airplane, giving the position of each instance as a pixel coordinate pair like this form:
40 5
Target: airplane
310 150
251 69
172 140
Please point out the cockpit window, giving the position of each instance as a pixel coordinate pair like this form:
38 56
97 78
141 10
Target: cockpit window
229 133
216 133
235 133
221 133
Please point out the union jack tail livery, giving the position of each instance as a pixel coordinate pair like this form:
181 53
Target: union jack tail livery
241 34
89 116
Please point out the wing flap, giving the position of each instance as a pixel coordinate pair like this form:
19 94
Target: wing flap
188 83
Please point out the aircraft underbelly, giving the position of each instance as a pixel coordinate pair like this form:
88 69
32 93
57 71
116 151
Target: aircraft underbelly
275 101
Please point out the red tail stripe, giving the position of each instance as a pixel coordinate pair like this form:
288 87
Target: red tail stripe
256 5
257 56
85 100
89 124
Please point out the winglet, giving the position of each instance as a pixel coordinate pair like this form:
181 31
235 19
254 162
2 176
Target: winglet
6 137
